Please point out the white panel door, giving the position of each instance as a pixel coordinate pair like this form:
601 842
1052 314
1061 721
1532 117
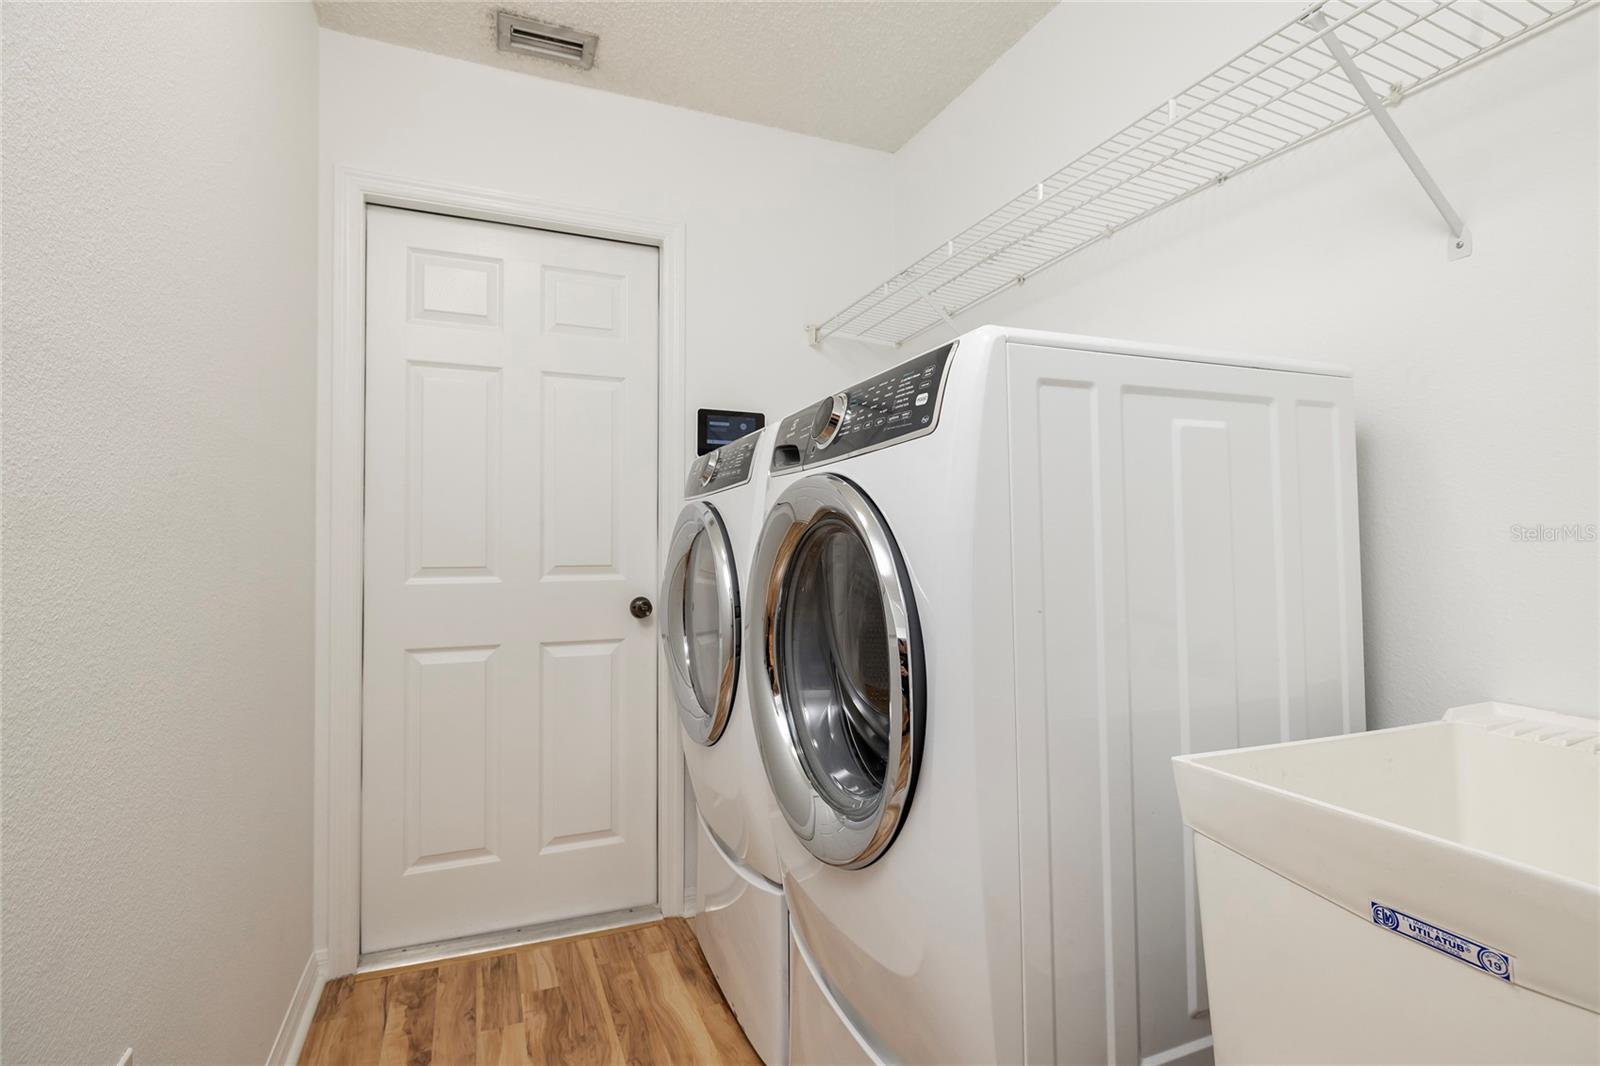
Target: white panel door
509 697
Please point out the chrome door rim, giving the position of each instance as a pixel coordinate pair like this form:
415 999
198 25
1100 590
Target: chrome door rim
703 724
837 838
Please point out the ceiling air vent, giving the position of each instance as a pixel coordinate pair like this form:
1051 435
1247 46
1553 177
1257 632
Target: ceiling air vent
517 34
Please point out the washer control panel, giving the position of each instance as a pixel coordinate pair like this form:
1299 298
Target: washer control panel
723 468
894 406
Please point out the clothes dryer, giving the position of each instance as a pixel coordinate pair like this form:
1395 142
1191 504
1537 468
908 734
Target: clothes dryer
996 588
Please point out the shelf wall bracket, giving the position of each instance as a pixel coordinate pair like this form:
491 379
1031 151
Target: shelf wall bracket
1460 244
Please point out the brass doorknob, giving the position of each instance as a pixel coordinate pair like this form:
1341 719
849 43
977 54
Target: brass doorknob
641 607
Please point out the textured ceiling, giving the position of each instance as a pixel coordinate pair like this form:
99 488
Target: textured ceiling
867 73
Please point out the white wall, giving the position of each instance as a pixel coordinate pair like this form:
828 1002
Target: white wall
769 215
159 379
1476 380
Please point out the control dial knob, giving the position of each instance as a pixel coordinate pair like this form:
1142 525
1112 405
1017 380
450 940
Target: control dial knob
830 416
709 471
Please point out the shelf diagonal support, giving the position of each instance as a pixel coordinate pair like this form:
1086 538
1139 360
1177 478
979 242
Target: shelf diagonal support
938 308
1460 245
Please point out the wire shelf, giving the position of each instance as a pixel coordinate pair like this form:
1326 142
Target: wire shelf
1275 95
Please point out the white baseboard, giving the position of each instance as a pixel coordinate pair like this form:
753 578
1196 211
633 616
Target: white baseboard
297 1020
390 958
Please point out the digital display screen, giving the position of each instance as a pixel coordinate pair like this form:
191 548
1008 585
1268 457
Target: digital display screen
724 427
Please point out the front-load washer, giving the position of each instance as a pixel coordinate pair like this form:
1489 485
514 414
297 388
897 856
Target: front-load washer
740 917
996 589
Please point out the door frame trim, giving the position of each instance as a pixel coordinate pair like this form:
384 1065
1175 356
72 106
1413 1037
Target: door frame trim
341 443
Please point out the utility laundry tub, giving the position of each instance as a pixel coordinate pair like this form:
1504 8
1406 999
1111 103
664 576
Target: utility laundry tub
1423 894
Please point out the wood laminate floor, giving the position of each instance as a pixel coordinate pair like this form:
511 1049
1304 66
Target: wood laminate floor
638 995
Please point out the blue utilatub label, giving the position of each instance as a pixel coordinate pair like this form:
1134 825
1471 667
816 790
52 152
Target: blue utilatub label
1492 962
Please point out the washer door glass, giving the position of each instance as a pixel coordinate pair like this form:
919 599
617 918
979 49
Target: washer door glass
700 630
834 666
839 716
702 620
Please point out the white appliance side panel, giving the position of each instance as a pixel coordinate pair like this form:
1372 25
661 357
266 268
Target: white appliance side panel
1186 580
1206 652
743 929
1079 1000
1321 466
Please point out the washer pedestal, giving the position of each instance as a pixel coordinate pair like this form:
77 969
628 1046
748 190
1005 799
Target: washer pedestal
743 929
819 1035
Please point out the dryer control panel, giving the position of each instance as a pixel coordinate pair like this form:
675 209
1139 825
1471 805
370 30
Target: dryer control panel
724 468
897 405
